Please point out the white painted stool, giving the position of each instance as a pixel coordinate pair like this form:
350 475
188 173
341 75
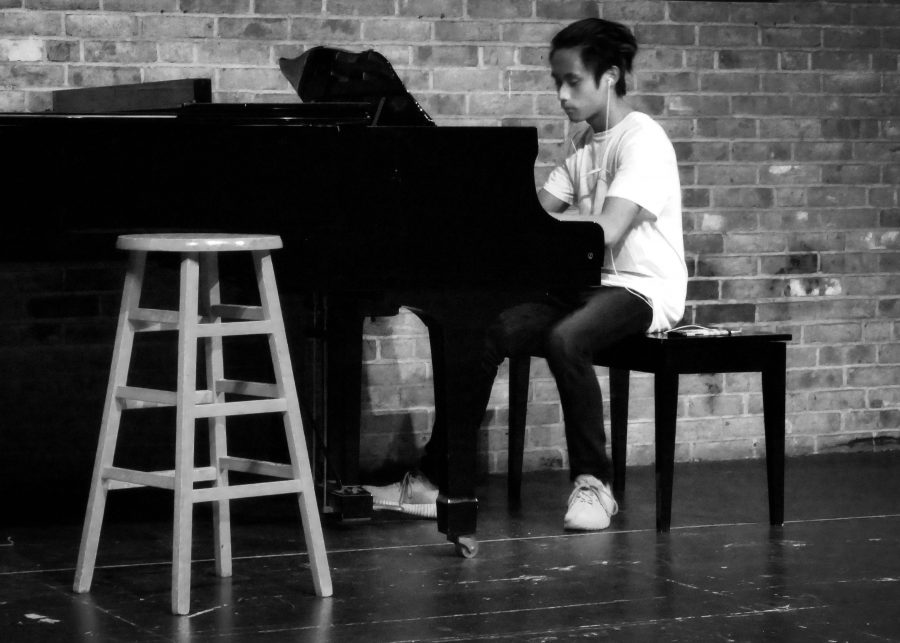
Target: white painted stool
201 316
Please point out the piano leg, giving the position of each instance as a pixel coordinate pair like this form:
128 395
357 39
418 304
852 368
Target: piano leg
461 393
347 500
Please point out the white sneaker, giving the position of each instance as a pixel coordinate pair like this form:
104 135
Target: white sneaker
415 495
591 505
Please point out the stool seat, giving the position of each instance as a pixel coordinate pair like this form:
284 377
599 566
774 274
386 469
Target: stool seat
667 357
194 242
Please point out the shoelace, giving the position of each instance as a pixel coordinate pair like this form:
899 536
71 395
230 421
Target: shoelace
405 487
589 495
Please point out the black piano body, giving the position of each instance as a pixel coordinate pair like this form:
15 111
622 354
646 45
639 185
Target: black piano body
442 220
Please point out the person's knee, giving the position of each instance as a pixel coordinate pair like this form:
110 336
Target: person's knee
564 346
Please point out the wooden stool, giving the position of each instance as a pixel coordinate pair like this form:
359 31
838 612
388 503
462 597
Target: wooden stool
192 404
667 357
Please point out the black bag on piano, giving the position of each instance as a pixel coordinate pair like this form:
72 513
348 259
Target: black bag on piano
336 75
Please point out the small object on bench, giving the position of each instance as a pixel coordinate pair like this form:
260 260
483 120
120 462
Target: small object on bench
668 356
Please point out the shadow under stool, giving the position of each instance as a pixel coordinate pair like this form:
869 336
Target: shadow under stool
668 357
203 319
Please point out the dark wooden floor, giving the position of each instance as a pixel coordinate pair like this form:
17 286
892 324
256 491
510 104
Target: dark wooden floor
832 573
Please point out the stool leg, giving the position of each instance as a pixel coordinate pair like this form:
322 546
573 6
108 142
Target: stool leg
218 446
666 403
618 428
519 372
293 424
184 433
109 425
773 388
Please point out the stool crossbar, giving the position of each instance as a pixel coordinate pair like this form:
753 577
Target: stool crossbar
202 318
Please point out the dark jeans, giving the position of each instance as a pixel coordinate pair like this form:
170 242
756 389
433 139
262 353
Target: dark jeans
566 330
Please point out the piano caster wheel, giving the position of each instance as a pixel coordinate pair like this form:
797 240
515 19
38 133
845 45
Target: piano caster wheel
466 546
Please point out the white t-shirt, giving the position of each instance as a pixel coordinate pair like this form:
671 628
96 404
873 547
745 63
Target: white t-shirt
633 160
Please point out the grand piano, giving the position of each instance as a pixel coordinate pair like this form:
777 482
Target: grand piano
378 209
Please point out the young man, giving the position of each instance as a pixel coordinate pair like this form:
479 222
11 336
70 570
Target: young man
619 171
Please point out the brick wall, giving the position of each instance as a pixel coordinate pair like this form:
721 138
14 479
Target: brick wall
785 117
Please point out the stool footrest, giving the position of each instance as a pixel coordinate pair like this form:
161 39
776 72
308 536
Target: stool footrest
249 490
226 329
119 478
249 407
259 467
136 397
232 311
243 387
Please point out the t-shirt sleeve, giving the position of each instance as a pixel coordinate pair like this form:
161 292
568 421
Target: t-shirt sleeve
647 159
559 184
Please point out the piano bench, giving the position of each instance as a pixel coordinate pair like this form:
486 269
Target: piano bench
668 357
203 318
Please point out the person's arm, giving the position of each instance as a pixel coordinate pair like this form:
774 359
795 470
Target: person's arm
550 203
616 216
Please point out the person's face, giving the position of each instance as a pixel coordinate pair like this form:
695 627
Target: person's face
580 96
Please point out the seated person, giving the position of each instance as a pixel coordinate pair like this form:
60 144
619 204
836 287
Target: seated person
619 171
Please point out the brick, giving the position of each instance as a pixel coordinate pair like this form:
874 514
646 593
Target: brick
852 38
565 9
405 31
254 28
467 78
232 52
668 35
726 174
252 79
847 354
457 31
732 81
65 5
120 52
354 7
511 9
742 197
809 310
698 12
726 266
791 37
656 82
834 196
848 60
873 375
21 75
728 36
146 6
725 313
62 51
215 6
21 50
13 101
326 30
815 423
747 59
443 9
165 26
769 151
101 26
32 23
447 56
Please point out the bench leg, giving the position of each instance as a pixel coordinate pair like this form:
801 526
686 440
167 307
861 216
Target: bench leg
666 408
618 429
773 388
519 372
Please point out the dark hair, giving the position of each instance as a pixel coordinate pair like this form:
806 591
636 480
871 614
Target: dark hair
603 44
